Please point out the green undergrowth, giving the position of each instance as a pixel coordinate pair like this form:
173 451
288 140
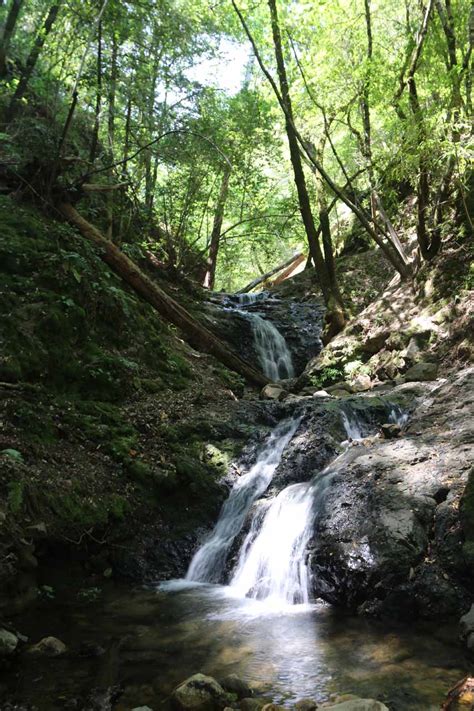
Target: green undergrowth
69 322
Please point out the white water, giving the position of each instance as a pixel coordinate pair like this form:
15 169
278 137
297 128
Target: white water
272 562
272 350
251 298
209 561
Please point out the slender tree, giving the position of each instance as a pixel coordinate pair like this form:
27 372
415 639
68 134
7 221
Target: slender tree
7 34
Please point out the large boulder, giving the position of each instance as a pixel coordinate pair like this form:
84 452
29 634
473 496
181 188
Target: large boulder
199 693
387 538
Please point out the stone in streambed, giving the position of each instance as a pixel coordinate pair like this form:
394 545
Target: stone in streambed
252 704
199 693
358 705
305 705
390 430
272 391
422 371
8 642
48 647
233 684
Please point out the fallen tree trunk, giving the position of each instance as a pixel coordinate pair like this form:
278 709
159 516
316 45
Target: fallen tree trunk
195 333
289 270
267 275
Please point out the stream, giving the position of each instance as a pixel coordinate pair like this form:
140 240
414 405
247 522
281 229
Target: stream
245 606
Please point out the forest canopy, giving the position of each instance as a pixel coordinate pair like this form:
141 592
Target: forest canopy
236 134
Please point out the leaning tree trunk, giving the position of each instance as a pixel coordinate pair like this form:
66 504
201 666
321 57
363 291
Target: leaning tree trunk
209 277
197 334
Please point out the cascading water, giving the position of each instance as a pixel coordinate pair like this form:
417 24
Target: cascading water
272 349
272 562
209 562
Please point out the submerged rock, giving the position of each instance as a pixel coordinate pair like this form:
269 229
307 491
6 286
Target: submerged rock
305 705
48 647
199 693
233 684
252 704
359 705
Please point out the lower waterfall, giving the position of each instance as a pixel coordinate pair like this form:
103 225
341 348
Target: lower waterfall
272 562
209 561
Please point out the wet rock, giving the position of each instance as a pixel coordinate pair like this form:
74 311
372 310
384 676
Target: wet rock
199 693
305 705
421 372
272 707
233 684
388 539
390 431
252 704
142 708
340 386
48 647
272 392
466 623
8 642
359 705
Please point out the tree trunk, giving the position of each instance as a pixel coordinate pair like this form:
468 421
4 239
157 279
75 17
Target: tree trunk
33 56
8 32
111 128
197 334
98 98
331 298
209 277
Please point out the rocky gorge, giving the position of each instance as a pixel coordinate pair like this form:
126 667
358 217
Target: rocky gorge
374 485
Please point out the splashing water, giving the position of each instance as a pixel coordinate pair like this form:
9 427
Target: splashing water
352 426
272 563
209 561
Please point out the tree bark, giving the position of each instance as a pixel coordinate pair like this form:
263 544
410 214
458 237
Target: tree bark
33 56
209 277
197 334
98 98
8 32
111 128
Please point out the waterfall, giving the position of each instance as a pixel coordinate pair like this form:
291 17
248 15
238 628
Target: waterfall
209 561
245 299
272 349
272 562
